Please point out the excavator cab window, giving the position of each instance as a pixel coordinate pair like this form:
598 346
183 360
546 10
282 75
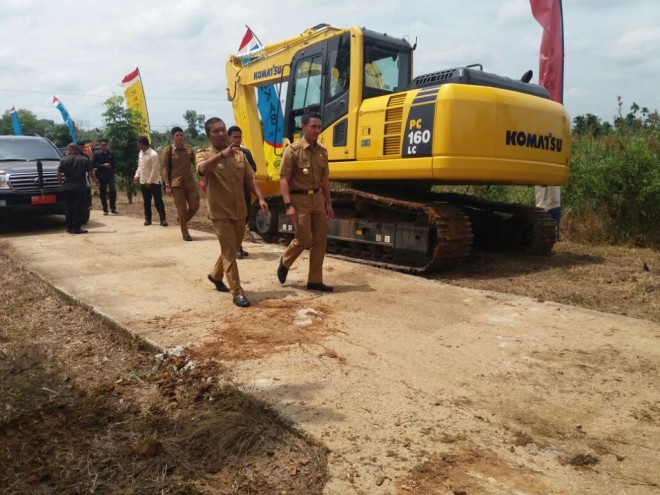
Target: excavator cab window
339 61
335 104
386 69
307 91
320 82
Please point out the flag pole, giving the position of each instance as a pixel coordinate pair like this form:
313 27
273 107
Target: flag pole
254 34
563 52
146 108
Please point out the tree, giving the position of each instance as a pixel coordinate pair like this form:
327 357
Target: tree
159 139
122 128
590 125
636 119
31 125
58 134
195 123
88 135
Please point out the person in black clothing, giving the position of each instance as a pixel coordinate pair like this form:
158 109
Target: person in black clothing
72 173
103 161
235 135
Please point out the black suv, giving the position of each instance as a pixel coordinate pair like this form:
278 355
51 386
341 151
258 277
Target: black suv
28 177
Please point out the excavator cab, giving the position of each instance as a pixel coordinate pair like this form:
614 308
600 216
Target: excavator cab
334 75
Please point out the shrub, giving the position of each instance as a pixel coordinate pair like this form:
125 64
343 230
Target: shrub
617 178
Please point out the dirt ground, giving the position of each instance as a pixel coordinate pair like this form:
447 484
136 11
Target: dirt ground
92 413
613 279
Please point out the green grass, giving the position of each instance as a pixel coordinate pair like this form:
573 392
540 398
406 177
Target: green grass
614 182
14 307
508 194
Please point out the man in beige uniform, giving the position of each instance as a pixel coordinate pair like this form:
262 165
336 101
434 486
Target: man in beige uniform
226 171
177 161
305 186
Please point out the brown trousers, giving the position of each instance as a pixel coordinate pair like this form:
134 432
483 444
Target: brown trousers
186 200
311 222
230 234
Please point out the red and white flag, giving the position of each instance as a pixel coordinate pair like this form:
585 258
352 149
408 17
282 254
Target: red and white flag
249 42
548 13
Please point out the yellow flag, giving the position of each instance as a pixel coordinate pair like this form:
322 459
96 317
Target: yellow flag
134 94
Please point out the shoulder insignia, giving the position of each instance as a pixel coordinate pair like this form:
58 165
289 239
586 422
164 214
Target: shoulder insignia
322 146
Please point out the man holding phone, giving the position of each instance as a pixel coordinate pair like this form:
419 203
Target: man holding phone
226 171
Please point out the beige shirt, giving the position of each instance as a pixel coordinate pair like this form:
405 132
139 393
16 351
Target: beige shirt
182 162
224 184
305 165
148 169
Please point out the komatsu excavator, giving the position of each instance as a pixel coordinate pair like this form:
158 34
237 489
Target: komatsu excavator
391 138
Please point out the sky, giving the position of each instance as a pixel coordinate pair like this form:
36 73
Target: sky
79 50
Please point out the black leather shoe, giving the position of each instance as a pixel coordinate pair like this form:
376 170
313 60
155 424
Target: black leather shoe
147 222
114 212
79 231
105 213
219 285
240 254
320 287
282 272
163 223
187 238
241 301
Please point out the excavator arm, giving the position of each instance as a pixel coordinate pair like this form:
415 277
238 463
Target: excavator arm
269 65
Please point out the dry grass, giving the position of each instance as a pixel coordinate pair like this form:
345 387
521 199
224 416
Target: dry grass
613 279
586 229
83 412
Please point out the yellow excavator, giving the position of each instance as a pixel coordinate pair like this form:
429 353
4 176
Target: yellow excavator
392 137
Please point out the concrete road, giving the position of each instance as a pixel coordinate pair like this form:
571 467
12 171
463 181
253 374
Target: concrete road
415 386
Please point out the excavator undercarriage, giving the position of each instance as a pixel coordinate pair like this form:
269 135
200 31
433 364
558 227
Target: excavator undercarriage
428 233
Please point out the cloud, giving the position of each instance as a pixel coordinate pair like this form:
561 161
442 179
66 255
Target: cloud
637 47
514 13
82 50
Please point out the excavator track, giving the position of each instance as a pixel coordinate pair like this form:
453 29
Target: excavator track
449 238
433 234
502 226
391 233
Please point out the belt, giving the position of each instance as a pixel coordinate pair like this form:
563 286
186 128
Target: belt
305 191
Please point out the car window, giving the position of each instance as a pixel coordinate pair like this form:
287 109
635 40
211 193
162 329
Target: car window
27 149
